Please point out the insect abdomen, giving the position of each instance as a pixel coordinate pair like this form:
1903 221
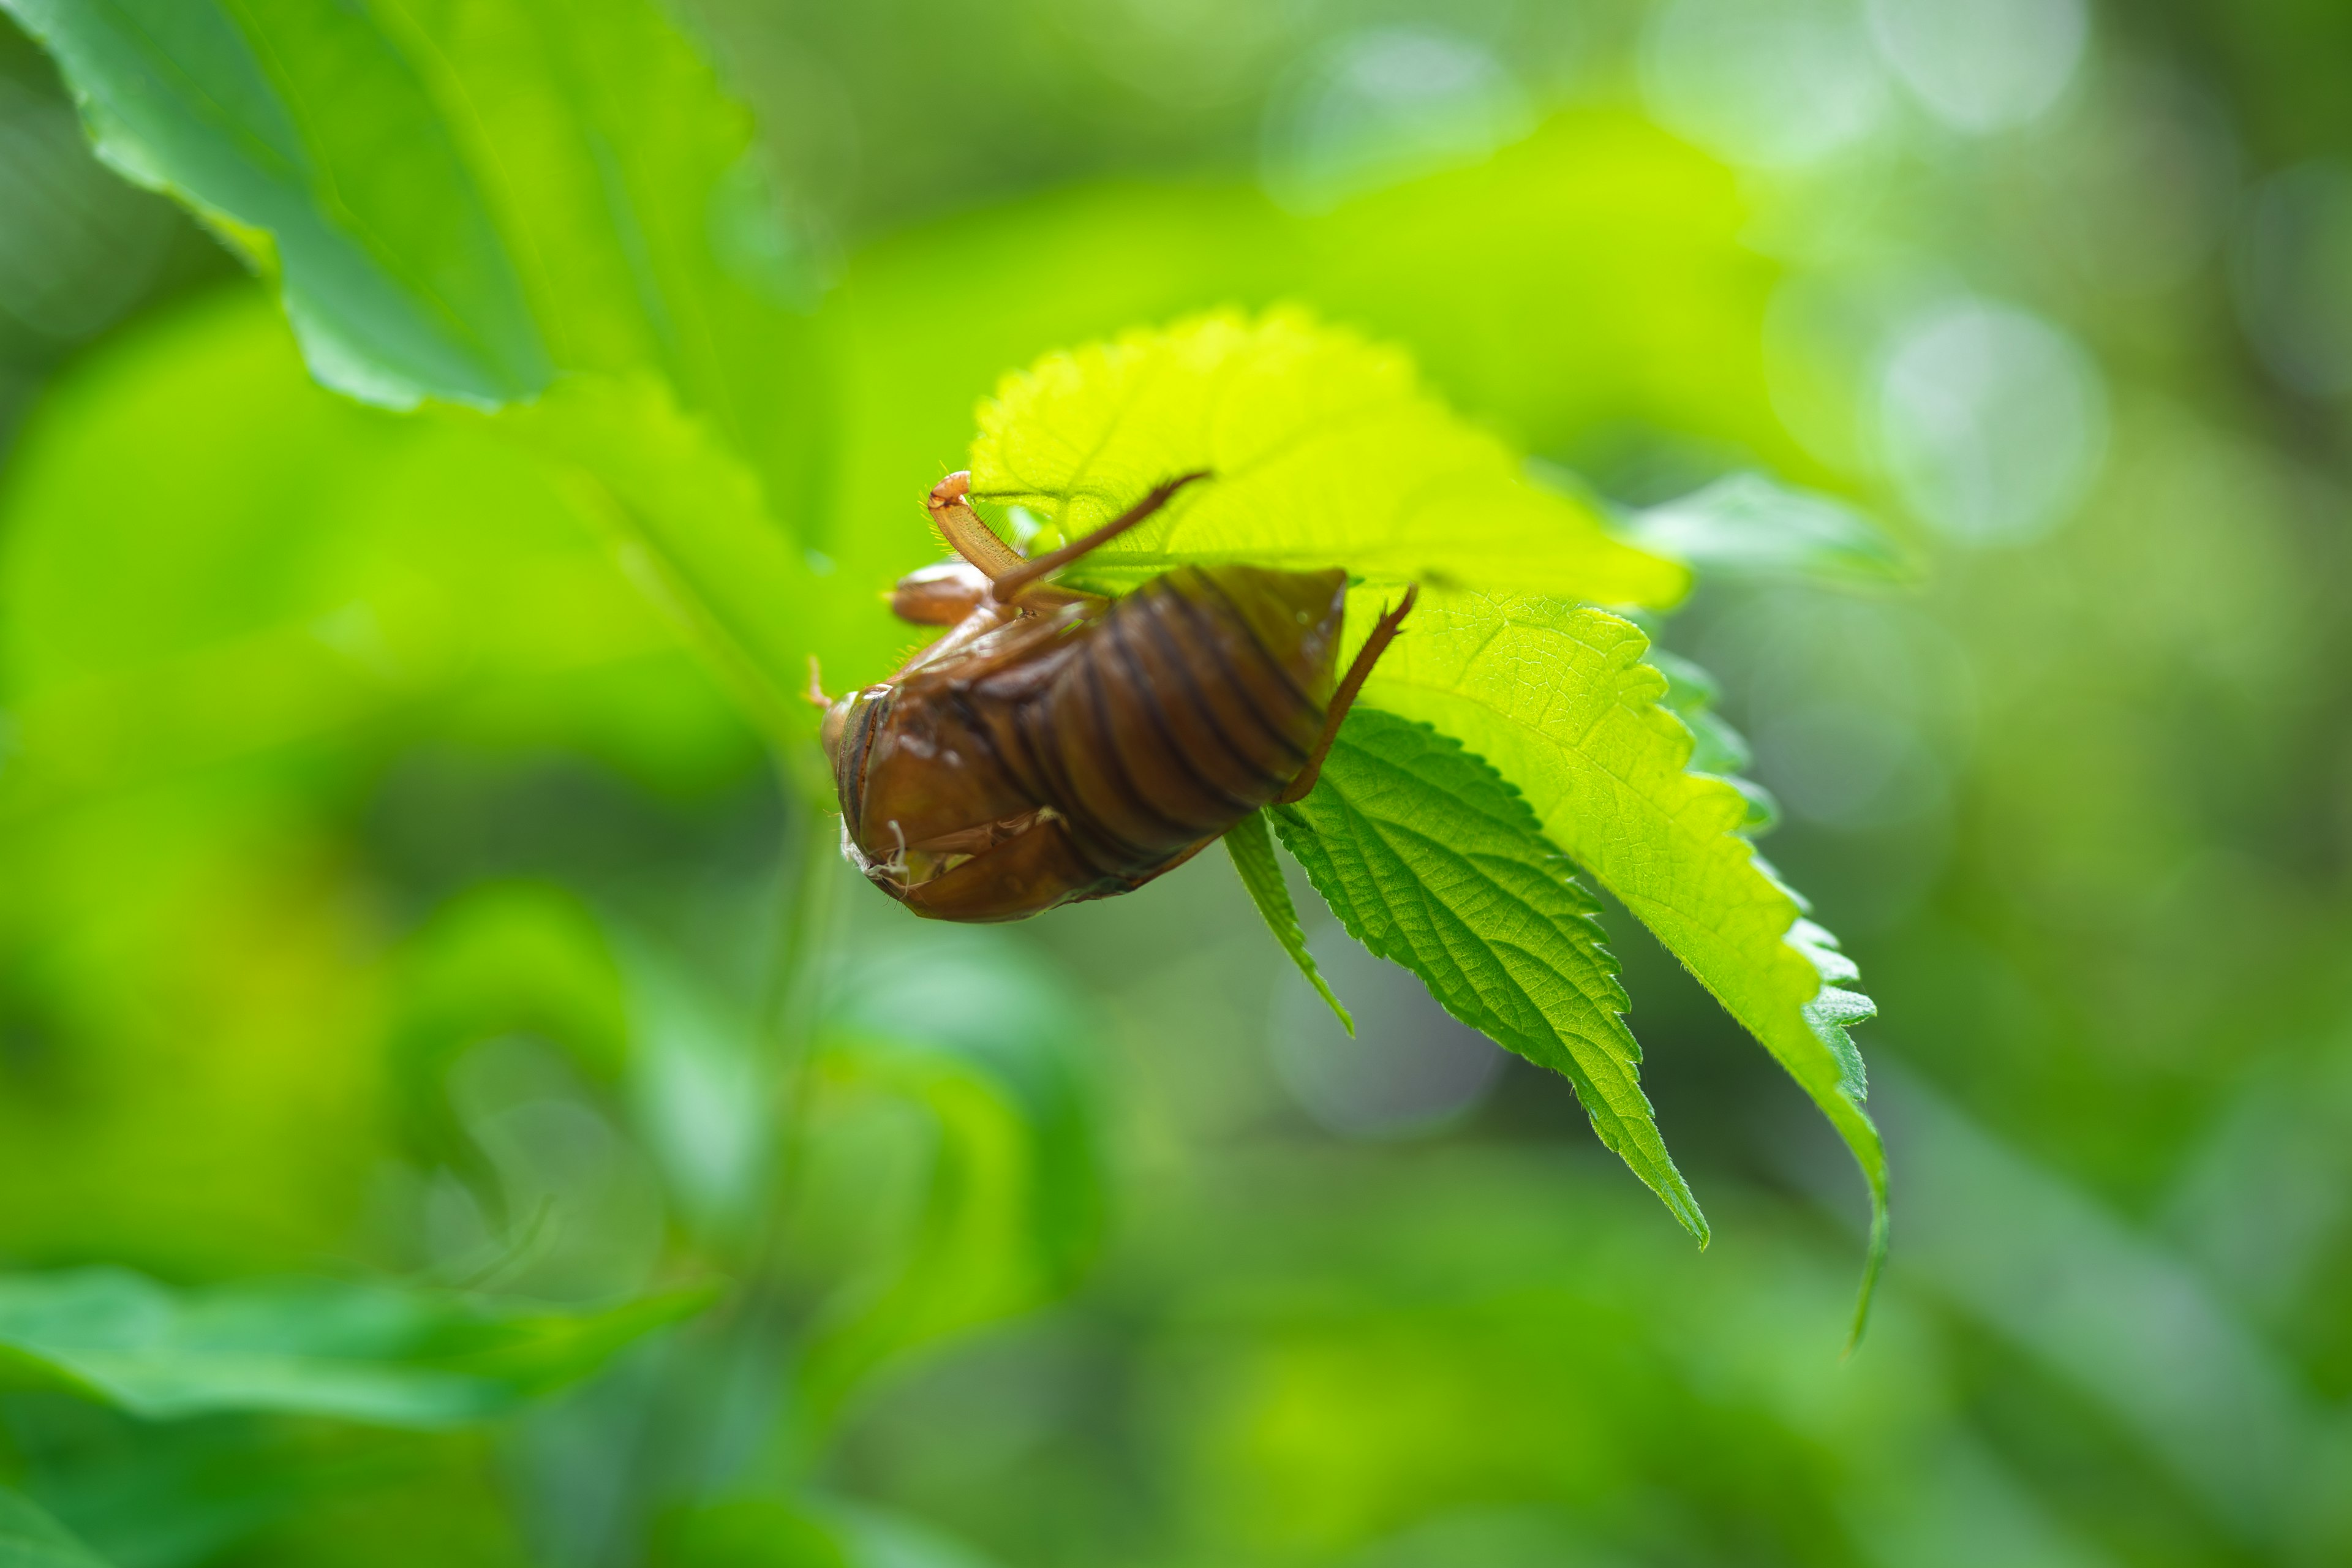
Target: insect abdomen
1195 701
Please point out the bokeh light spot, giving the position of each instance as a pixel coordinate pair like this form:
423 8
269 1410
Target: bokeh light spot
1411 1068
1985 65
1768 83
1992 422
1384 105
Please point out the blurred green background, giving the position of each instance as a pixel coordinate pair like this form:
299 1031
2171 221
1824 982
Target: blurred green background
390 903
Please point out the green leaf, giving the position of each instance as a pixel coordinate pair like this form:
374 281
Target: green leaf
394 273
1001 1195
1251 848
755 1532
1325 451
31 1539
377 1354
412 565
691 521
1751 526
470 201
1432 861
460 197
1558 699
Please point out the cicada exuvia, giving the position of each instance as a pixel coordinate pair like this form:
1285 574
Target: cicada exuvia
1056 745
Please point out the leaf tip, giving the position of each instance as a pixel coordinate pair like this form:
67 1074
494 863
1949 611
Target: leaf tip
1874 1265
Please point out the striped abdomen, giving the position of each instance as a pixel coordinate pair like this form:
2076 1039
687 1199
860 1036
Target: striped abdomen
1078 754
1195 700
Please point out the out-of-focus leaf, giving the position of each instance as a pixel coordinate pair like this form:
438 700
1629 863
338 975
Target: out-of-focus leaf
232 602
747 1532
1251 848
503 959
393 269
371 1354
177 1494
1006 1186
1557 696
31 1539
207 559
460 197
1748 524
692 525
880 1539
1323 451
1431 861
799 1532
701 1088
465 200
79 245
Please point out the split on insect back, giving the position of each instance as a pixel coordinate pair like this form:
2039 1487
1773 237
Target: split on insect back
1057 745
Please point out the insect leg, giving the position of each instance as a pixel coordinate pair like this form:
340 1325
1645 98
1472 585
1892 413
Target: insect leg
939 595
1009 585
965 533
1344 699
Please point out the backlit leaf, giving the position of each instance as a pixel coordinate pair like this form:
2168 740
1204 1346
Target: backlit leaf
1325 451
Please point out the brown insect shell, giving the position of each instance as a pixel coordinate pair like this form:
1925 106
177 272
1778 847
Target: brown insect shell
1030 759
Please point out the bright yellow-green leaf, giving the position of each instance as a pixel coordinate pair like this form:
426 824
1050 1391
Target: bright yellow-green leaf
1557 696
1325 451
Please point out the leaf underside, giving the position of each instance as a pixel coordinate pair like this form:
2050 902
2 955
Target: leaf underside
1251 848
1432 861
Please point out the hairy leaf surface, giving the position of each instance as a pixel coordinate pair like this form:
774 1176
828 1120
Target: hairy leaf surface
1325 451
1251 848
1558 699
1431 861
